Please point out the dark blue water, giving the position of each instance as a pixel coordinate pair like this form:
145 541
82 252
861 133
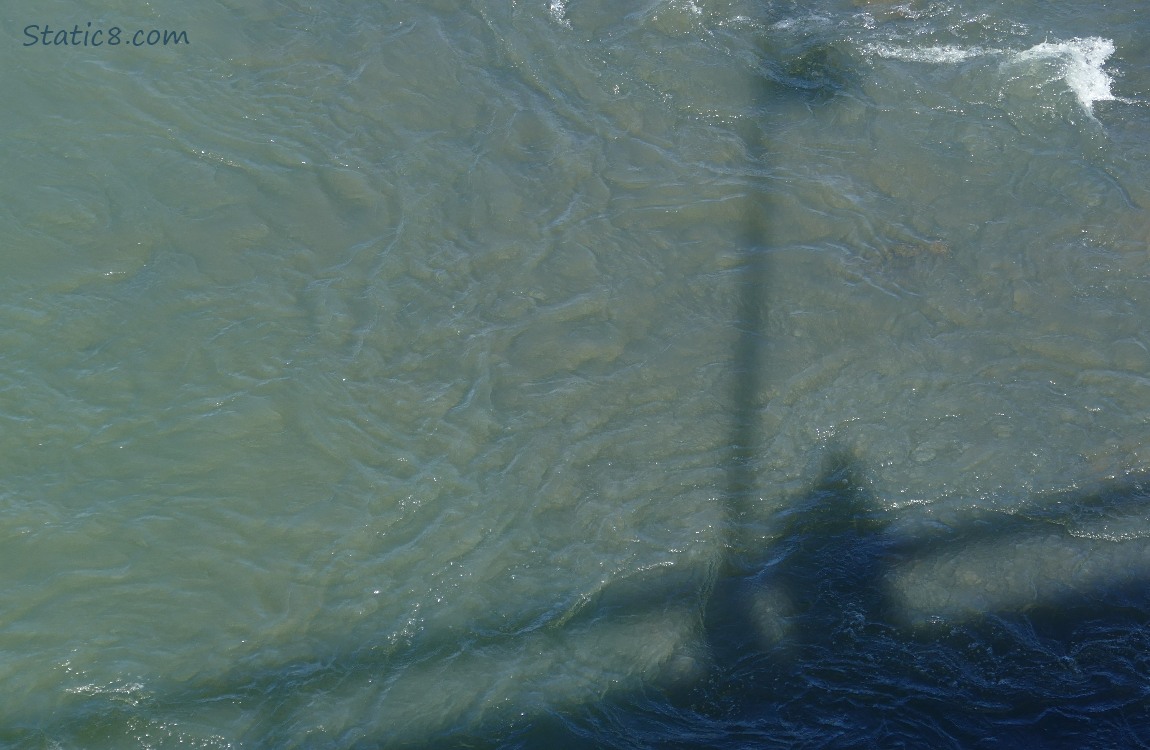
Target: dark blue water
1071 671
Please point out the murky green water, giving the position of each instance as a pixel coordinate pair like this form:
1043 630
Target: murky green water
412 373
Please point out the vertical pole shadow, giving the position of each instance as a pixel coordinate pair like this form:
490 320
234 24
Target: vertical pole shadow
749 356
809 77
828 554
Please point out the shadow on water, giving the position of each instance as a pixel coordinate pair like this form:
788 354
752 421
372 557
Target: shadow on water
809 644
803 643
808 641
1067 669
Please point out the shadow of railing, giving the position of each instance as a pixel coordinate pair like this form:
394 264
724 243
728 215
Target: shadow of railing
814 643
805 642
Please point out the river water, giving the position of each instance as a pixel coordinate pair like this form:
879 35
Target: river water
643 373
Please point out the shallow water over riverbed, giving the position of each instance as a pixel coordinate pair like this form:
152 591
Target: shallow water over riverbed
640 374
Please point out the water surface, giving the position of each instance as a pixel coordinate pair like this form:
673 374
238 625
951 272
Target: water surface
619 374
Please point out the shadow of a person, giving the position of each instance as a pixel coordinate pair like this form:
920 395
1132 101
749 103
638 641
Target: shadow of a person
809 645
816 597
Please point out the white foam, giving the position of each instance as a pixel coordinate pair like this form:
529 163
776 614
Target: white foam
558 10
1082 61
